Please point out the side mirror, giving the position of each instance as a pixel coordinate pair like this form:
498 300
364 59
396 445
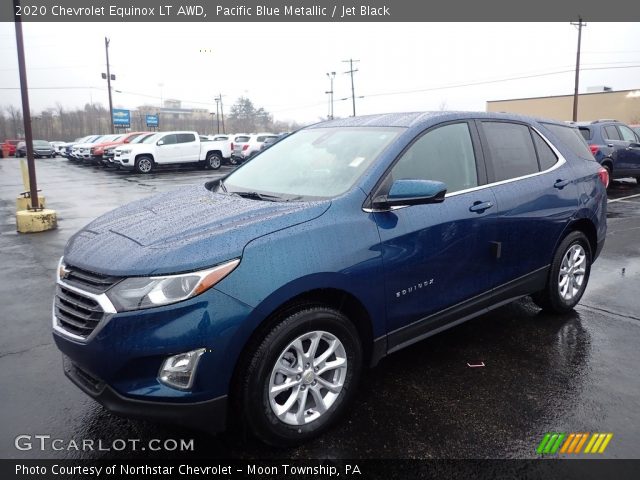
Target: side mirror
412 192
160 142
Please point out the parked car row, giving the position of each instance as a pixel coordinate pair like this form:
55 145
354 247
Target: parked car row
145 151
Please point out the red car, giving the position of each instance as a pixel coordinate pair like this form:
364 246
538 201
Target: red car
8 148
102 153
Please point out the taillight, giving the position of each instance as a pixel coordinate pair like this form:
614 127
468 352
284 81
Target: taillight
244 147
603 174
594 149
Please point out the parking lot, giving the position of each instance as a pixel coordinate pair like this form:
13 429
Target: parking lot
574 373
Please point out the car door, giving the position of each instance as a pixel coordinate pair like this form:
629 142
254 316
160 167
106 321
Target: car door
438 255
189 147
167 151
628 156
536 197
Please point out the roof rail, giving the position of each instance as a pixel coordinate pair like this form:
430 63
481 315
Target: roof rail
605 120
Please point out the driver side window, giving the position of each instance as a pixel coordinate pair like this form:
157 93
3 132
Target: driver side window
444 154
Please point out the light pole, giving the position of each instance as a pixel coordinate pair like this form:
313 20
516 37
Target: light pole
217 99
331 76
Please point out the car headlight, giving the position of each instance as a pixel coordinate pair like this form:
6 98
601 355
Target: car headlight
136 293
125 151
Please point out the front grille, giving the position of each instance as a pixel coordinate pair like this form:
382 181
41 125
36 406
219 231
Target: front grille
76 313
90 281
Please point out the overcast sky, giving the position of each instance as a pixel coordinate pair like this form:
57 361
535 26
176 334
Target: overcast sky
282 66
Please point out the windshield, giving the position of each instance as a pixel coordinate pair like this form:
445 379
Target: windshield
41 143
142 137
312 164
151 138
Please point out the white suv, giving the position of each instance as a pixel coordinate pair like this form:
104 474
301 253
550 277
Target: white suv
246 146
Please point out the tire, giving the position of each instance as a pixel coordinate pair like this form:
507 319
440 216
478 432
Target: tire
280 419
144 164
568 276
233 161
213 161
607 167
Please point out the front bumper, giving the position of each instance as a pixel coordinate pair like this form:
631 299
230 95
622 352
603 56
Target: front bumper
118 364
209 415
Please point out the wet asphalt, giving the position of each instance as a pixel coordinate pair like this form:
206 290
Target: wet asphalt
573 373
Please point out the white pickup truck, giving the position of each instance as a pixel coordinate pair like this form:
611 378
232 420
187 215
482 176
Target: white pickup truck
168 148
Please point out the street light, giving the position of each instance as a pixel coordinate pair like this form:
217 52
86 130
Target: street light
331 76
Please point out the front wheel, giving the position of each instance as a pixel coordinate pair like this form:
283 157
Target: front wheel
144 164
568 275
301 377
213 161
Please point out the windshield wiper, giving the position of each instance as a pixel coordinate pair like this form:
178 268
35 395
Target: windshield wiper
258 196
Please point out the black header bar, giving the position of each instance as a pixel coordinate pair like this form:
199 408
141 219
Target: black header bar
318 10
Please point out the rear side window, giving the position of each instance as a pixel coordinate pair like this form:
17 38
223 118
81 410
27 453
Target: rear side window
610 132
444 154
546 157
586 133
186 137
511 150
572 138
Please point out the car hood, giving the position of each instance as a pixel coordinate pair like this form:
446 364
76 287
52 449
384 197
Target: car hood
186 229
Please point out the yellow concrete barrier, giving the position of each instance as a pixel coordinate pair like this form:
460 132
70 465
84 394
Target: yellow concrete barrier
32 221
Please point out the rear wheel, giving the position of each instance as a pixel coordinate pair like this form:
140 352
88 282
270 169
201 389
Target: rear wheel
568 275
144 164
301 377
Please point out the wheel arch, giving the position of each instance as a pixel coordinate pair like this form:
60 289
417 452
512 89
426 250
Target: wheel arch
150 155
336 298
586 226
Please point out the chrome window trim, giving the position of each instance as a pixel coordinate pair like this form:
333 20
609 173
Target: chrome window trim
561 161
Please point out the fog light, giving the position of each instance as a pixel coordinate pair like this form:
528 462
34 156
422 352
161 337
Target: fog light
179 371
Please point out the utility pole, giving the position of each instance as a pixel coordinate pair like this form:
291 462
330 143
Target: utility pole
106 48
218 113
26 112
219 99
352 71
331 76
580 24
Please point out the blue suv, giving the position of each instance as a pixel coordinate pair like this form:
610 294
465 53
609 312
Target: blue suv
614 145
259 298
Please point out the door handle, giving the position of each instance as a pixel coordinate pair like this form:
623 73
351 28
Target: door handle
561 183
480 207
610 145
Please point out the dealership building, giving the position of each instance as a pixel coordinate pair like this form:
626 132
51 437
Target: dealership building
597 103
